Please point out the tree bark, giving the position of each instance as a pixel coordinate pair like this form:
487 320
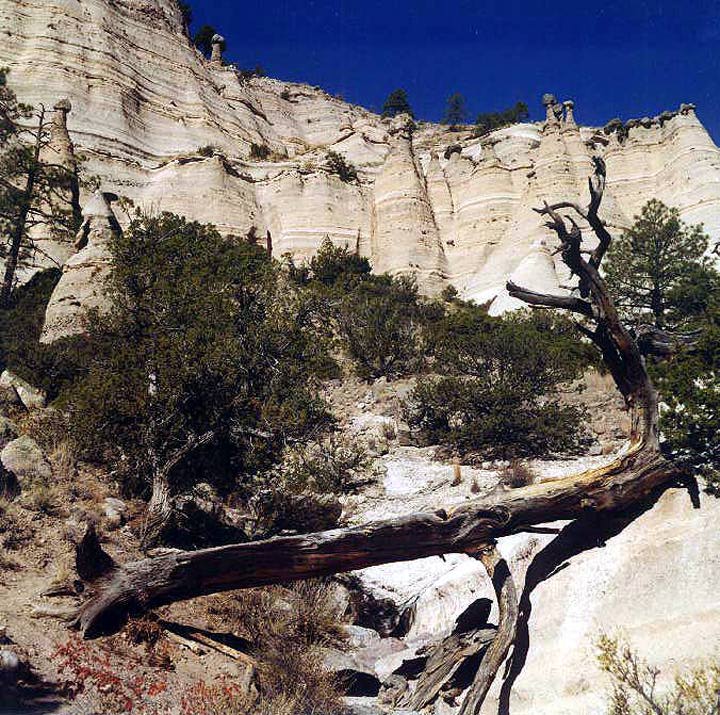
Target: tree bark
159 512
507 599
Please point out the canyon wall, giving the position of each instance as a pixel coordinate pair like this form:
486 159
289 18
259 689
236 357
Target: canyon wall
144 101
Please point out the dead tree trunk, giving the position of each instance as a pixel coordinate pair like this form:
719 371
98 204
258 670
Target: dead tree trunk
637 473
159 511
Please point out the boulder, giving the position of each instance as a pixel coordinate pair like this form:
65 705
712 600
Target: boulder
31 397
23 460
115 511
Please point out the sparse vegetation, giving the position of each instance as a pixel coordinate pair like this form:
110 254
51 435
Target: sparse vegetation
288 628
455 111
488 121
340 166
637 687
206 151
397 103
517 474
259 152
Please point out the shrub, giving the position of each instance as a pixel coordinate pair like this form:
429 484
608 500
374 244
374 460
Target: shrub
635 684
380 325
690 419
202 338
92 671
332 266
518 474
339 165
449 293
329 466
260 152
207 151
288 628
50 367
496 396
397 103
489 121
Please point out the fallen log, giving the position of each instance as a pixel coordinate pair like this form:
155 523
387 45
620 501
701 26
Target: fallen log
148 583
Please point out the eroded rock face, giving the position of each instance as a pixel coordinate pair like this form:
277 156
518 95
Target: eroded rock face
82 286
144 101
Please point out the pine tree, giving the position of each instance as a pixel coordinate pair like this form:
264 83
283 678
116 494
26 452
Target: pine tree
455 111
397 103
652 261
35 194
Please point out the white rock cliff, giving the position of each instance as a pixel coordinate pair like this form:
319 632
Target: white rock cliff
144 101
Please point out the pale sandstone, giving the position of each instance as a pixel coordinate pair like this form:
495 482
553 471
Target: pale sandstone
144 100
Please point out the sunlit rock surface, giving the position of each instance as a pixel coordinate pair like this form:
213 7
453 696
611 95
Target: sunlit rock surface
144 101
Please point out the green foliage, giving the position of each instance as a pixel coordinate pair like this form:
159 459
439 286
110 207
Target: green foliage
34 194
653 269
338 164
203 337
259 152
332 266
380 324
257 71
487 122
690 418
496 395
455 110
397 103
329 466
635 684
449 293
203 39
50 367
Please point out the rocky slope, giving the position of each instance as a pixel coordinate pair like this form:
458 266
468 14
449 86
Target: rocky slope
144 101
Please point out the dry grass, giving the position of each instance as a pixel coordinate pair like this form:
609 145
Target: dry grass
636 683
288 627
16 530
518 474
457 474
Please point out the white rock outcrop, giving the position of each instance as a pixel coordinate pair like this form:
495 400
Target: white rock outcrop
82 286
144 102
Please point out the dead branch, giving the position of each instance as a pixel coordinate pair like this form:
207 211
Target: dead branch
504 586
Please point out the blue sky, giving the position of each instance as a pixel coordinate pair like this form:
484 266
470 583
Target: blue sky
626 59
